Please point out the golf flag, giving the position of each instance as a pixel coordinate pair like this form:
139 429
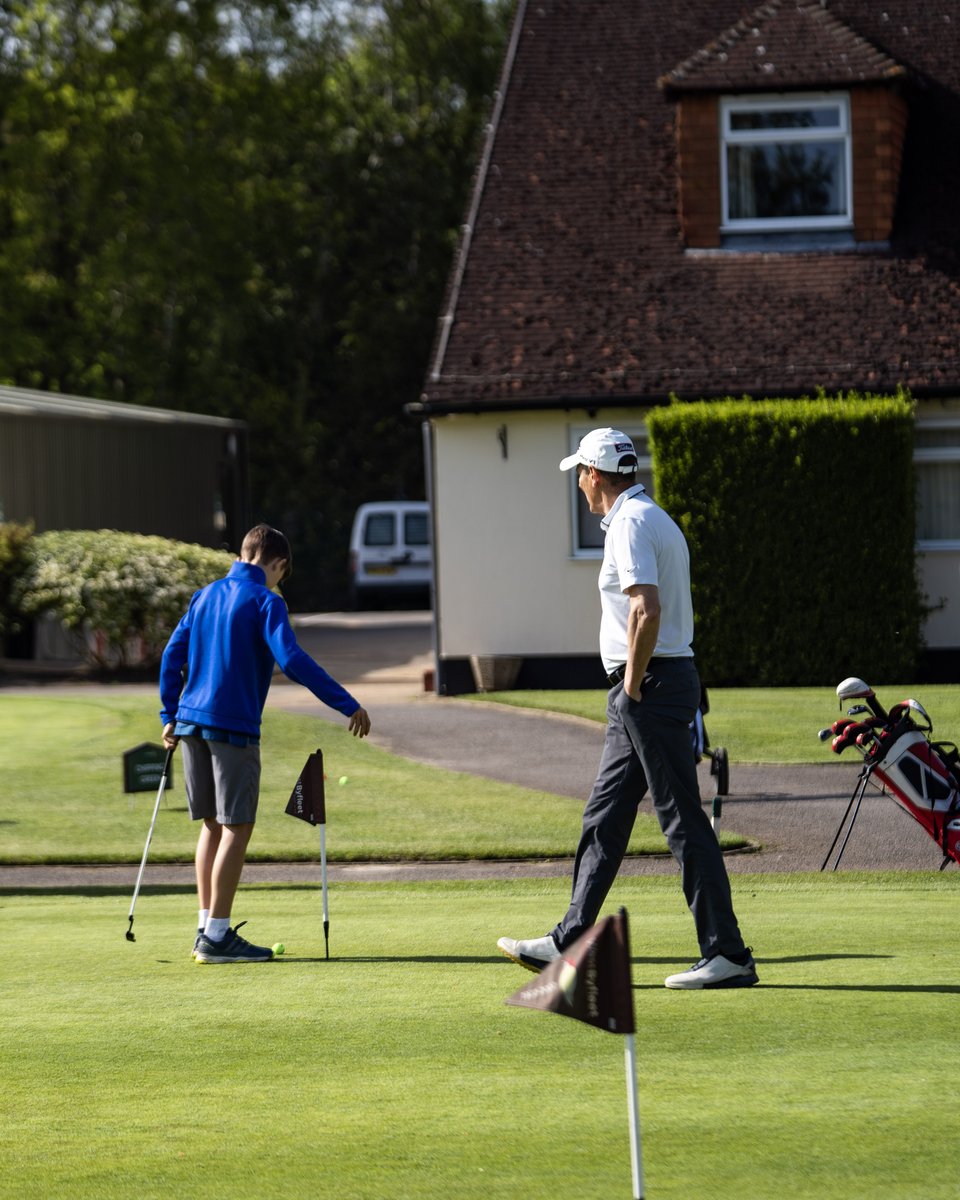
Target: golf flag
307 803
590 981
307 798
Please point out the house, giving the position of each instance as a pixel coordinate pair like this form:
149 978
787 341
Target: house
703 199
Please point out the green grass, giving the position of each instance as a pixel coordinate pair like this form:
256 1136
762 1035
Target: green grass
762 725
63 796
396 1070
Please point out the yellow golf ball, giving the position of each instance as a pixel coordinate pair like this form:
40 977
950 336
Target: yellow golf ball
344 779
279 948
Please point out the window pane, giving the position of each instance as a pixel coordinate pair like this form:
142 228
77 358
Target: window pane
589 534
938 501
379 530
786 179
792 118
416 530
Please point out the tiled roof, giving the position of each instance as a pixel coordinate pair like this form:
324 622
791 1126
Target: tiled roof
784 43
577 286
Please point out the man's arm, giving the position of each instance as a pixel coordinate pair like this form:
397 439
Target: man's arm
643 626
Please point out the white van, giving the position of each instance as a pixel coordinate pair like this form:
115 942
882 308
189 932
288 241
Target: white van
390 551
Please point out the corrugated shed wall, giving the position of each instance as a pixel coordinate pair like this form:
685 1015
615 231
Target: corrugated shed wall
64 473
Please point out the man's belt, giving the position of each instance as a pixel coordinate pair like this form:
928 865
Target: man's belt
617 676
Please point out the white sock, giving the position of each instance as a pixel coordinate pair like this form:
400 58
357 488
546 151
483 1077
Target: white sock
203 919
217 928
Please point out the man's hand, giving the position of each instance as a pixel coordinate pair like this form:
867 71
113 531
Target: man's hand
359 724
169 741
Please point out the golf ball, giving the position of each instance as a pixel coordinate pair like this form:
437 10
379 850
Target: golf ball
344 779
279 948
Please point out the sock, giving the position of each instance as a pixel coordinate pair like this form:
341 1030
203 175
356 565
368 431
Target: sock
217 928
203 919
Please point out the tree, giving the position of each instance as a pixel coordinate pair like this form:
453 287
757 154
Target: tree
245 209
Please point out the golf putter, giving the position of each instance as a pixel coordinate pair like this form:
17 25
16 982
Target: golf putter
143 862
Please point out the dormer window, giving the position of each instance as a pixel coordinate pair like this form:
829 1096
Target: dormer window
785 163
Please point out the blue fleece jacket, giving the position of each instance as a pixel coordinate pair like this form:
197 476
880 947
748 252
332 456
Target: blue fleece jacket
229 639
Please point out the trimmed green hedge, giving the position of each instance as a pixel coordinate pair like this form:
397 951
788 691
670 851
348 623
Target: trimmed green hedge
122 593
800 516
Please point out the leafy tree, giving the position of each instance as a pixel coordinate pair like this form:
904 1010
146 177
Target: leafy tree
246 209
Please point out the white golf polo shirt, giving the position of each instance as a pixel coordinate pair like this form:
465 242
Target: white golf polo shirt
644 546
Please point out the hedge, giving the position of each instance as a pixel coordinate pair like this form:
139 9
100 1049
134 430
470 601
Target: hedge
800 517
122 593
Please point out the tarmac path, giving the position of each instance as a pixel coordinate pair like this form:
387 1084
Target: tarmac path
790 813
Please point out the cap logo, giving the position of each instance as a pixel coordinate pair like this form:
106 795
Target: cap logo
623 447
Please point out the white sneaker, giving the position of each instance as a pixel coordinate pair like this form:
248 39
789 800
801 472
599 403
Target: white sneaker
533 954
716 972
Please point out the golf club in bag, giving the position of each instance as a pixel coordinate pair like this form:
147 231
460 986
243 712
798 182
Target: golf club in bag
920 775
143 862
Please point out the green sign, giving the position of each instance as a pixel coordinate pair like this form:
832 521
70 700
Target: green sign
143 768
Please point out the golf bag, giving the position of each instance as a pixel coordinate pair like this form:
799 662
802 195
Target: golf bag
920 775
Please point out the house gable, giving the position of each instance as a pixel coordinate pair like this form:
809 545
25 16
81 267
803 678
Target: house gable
788 47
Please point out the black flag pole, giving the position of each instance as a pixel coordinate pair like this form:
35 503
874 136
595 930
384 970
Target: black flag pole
307 803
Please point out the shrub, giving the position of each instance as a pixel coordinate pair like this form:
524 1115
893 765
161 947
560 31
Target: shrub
800 517
14 559
123 592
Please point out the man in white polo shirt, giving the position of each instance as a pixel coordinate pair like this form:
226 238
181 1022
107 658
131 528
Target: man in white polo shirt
646 644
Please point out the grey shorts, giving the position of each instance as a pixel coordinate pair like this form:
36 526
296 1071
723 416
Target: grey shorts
222 781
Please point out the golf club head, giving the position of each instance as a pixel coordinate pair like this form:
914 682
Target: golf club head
836 728
857 710
916 710
129 936
847 738
853 688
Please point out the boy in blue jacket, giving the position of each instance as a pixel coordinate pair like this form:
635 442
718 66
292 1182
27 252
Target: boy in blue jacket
234 631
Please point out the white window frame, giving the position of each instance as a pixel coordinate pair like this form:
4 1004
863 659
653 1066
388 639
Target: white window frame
938 454
746 137
576 433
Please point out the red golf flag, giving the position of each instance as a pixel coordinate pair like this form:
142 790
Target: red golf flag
307 798
590 981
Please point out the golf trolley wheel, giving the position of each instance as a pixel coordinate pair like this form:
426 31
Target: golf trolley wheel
720 769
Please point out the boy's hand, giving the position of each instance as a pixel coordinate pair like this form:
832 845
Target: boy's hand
169 741
359 723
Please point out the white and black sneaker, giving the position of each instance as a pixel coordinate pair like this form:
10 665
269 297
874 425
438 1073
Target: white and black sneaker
534 954
717 972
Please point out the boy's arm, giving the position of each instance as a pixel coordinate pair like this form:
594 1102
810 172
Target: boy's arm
171 670
297 665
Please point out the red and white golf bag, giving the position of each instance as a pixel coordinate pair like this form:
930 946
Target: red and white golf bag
921 776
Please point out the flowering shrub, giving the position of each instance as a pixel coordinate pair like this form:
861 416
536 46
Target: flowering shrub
123 592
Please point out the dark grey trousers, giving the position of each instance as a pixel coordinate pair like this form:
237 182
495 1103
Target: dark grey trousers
648 746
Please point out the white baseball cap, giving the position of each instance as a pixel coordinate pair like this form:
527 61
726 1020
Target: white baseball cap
605 449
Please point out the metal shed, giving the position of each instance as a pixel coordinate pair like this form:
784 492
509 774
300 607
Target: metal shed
68 462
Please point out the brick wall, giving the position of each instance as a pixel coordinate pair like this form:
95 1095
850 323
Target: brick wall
878 119
698 150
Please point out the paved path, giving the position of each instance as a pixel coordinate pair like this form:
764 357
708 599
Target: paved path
790 812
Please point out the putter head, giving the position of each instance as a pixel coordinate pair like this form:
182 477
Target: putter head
129 936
